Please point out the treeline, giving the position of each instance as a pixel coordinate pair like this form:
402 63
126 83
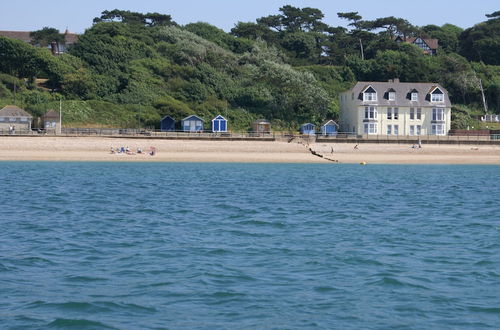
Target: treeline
130 69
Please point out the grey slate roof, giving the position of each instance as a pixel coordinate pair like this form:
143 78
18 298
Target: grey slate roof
402 89
51 114
13 111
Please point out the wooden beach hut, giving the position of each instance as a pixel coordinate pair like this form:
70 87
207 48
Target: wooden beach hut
14 119
219 124
329 128
261 126
308 129
192 124
167 124
50 120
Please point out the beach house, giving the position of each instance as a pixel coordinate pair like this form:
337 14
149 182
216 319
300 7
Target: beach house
395 108
261 126
14 119
308 129
50 120
329 128
167 124
192 124
429 46
219 124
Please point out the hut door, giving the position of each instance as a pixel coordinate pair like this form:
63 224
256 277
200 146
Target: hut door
192 125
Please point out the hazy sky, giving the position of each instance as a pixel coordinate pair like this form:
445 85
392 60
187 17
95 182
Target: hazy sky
29 15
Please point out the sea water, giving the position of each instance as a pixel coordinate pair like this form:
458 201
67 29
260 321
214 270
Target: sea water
248 246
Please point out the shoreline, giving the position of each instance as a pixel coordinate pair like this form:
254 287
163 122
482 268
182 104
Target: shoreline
97 149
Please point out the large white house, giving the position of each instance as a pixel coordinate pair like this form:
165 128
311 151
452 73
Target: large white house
395 108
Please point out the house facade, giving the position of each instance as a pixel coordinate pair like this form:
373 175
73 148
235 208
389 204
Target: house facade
429 46
395 108
57 48
14 119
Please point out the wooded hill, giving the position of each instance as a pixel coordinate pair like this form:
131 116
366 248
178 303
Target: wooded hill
131 69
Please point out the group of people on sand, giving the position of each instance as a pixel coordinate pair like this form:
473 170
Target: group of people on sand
126 150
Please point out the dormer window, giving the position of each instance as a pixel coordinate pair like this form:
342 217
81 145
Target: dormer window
437 95
392 96
370 94
414 96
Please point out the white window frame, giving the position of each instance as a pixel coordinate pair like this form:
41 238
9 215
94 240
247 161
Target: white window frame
395 112
412 113
389 129
438 114
389 113
412 130
369 96
435 98
419 114
392 96
370 128
438 129
396 129
419 129
414 96
370 112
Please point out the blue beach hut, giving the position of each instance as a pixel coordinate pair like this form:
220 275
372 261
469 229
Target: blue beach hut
192 124
219 124
308 129
167 124
329 128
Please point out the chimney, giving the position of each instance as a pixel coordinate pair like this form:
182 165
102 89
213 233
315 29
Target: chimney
390 80
54 48
396 80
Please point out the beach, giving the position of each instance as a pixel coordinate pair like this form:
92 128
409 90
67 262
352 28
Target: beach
18 148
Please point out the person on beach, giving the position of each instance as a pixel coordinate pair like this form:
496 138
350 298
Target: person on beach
112 150
152 151
139 150
356 147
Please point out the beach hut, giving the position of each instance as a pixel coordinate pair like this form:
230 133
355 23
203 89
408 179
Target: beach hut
14 119
192 124
167 124
329 128
261 126
308 129
219 124
50 120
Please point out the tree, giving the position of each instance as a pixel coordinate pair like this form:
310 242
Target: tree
46 36
482 41
129 17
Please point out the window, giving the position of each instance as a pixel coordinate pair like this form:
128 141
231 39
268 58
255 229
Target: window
438 114
12 119
437 98
369 96
389 113
396 129
371 128
412 114
437 129
2 118
419 114
412 130
24 119
370 113
419 129
396 110
392 96
414 96
389 129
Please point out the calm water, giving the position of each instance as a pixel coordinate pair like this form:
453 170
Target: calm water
245 246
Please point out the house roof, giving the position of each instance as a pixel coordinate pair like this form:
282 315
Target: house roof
192 117
261 121
307 124
432 43
219 117
329 122
51 114
167 116
402 89
70 38
13 111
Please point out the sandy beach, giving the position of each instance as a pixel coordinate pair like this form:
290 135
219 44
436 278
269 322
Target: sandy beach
14 148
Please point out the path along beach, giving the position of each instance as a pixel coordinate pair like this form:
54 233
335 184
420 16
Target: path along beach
16 148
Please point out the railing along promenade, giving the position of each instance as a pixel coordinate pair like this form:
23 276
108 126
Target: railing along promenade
253 136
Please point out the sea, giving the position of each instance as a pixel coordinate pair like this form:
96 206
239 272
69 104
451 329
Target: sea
86 245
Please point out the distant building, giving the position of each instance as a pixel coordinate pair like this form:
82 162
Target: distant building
70 39
329 128
50 120
262 126
428 46
219 124
192 124
12 116
308 129
167 124
395 108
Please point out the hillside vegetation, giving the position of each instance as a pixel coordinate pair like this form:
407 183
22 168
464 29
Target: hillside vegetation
131 69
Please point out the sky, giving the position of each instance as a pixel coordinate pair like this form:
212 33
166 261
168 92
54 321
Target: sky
77 16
